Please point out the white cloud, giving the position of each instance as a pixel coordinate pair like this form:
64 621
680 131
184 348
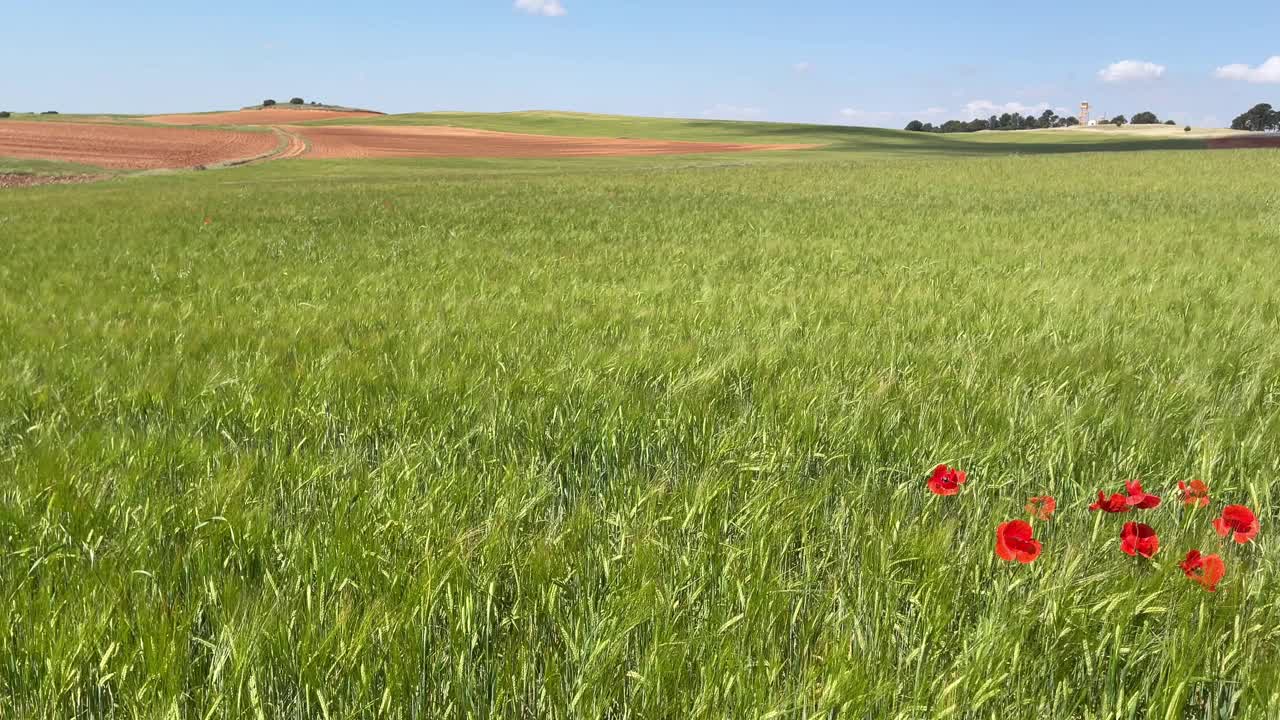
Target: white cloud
802 67
1130 71
1267 72
732 112
986 108
854 114
547 8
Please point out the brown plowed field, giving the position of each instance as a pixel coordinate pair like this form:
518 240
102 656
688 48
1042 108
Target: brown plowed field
256 117
351 141
130 147
1232 143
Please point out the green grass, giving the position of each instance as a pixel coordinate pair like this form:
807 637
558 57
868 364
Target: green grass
636 439
48 167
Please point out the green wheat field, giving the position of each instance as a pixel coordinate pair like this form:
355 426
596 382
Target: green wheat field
641 438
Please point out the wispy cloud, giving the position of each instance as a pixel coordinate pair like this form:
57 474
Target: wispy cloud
802 67
884 115
1131 71
986 108
546 8
1267 72
721 111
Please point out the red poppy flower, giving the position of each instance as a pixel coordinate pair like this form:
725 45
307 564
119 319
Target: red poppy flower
1208 570
1014 542
1138 539
1195 493
1139 499
1042 508
946 481
1117 503
1239 521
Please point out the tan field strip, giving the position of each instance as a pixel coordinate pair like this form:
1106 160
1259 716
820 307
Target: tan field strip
268 116
410 141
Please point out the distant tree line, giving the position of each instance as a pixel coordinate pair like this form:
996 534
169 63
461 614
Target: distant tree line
293 101
1259 118
1016 121
1007 121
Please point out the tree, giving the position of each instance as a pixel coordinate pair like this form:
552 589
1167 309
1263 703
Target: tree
1006 122
928 127
5 113
1048 119
268 102
297 101
993 123
1259 118
1145 118
915 126
1118 120
1170 122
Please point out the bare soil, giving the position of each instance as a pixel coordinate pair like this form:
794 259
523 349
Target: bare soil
1245 141
130 147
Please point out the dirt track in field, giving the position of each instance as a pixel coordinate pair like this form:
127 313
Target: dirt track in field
292 145
351 141
1241 142
270 116
130 147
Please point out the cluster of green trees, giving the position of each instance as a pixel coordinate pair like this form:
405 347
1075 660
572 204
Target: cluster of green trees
1259 118
295 101
1142 118
1015 121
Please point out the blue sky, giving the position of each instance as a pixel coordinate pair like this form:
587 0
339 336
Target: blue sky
824 61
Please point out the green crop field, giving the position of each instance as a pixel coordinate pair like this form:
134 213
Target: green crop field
834 139
641 438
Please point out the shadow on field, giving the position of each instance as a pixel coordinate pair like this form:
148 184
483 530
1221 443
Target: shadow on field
832 138
855 139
